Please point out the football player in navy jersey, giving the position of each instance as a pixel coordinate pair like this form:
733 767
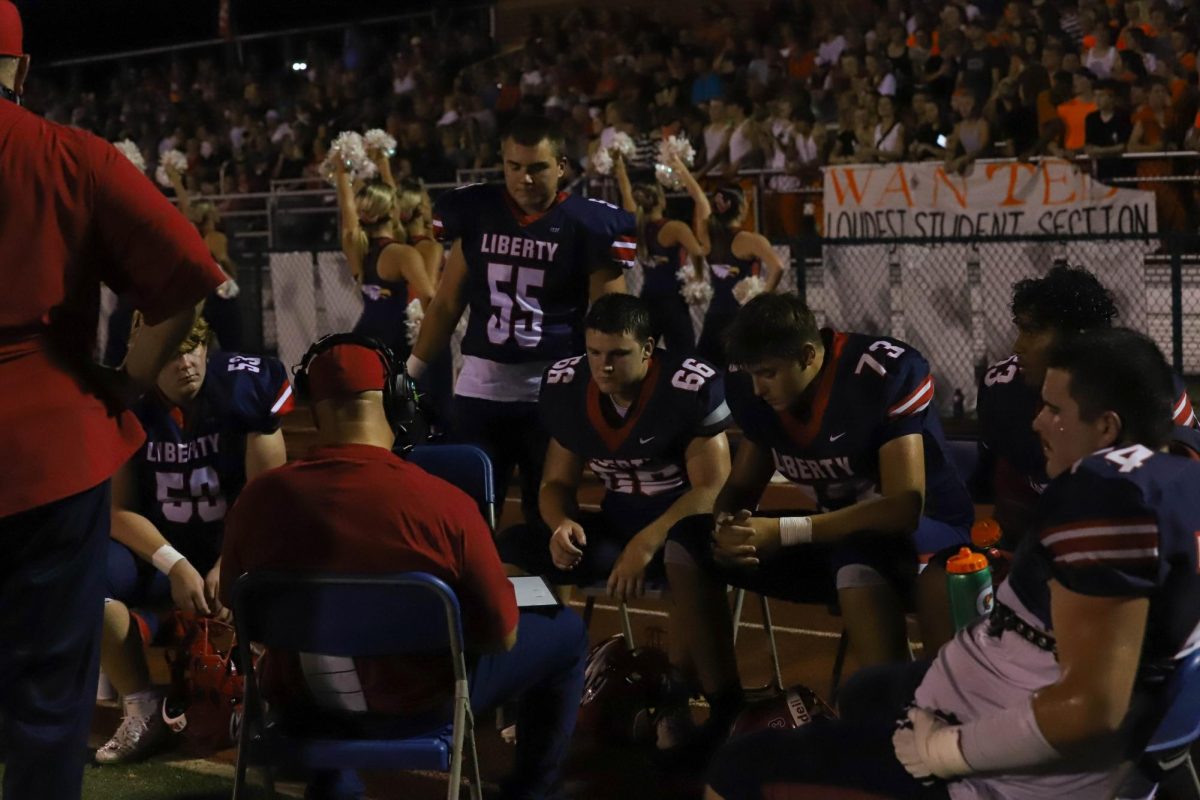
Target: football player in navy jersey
851 418
526 259
212 425
1063 682
650 425
1065 300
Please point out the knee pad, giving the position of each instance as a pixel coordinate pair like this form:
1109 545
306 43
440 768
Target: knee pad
856 576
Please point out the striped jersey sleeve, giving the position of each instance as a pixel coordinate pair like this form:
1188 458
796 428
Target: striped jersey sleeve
909 392
1099 532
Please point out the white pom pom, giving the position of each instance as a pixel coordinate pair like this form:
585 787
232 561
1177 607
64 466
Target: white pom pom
228 290
745 289
413 315
623 144
348 146
602 161
170 158
667 176
669 148
378 139
131 151
694 292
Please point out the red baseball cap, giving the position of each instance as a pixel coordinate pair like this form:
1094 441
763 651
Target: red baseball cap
345 369
11 31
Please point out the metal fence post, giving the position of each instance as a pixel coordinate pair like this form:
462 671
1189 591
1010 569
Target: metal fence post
1177 308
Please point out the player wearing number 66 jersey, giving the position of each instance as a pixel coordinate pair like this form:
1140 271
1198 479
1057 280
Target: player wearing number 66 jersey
851 418
212 424
526 259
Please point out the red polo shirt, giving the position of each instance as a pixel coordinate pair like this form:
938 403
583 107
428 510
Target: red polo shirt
74 212
358 508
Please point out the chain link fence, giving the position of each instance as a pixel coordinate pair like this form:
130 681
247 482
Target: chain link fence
951 298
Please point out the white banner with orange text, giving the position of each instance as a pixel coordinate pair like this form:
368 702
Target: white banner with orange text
930 257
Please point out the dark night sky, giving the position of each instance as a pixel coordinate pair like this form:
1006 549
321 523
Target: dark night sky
60 29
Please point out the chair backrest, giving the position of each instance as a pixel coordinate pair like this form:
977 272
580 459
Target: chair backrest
1181 724
464 465
349 615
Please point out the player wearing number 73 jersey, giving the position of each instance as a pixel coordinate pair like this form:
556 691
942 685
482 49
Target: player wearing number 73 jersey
526 260
852 419
212 424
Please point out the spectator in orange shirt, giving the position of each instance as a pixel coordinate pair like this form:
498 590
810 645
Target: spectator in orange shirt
1074 112
1155 129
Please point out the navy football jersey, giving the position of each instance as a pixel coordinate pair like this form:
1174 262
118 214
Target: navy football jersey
528 276
870 391
640 456
1121 523
661 265
190 470
1007 405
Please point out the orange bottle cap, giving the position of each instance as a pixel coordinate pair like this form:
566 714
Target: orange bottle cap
985 533
966 561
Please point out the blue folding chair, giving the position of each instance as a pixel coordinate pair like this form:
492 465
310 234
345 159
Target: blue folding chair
339 615
1168 756
465 466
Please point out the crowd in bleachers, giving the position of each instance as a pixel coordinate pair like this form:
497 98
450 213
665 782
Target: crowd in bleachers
787 86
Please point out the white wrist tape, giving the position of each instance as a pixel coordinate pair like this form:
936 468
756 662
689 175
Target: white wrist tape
415 367
165 558
943 753
795 530
1008 741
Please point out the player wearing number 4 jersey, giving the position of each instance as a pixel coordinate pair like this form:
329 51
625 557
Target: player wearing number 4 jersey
1065 300
526 259
852 418
1053 693
212 424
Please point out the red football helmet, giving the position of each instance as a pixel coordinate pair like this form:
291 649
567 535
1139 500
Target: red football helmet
619 686
790 709
206 687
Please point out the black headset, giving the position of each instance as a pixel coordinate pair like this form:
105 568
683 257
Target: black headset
399 392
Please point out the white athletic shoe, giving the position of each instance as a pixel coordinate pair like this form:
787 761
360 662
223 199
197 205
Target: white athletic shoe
139 737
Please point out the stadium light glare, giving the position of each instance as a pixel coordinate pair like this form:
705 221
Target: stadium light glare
299 66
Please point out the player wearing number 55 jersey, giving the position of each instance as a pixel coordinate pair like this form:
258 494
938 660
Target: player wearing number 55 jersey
526 259
212 424
852 418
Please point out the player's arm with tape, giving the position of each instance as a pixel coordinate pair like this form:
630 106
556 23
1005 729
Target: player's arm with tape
738 536
132 529
443 313
707 462
902 490
559 506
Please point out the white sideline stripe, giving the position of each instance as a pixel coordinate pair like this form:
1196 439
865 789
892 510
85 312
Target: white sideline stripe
649 612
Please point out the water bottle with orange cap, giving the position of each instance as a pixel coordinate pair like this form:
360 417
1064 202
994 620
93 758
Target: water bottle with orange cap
985 538
969 584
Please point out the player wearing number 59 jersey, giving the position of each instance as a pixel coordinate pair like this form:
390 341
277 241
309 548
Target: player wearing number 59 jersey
526 260
212 424
852 418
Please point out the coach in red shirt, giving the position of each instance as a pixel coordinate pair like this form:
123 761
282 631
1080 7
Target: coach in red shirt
73 212
353 506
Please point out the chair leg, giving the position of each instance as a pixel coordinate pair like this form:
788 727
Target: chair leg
838 663
739 598
476 785
458 733
239 768
626 626
777 673
1181 782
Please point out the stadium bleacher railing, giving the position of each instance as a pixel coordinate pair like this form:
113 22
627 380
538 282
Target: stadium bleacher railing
949 297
